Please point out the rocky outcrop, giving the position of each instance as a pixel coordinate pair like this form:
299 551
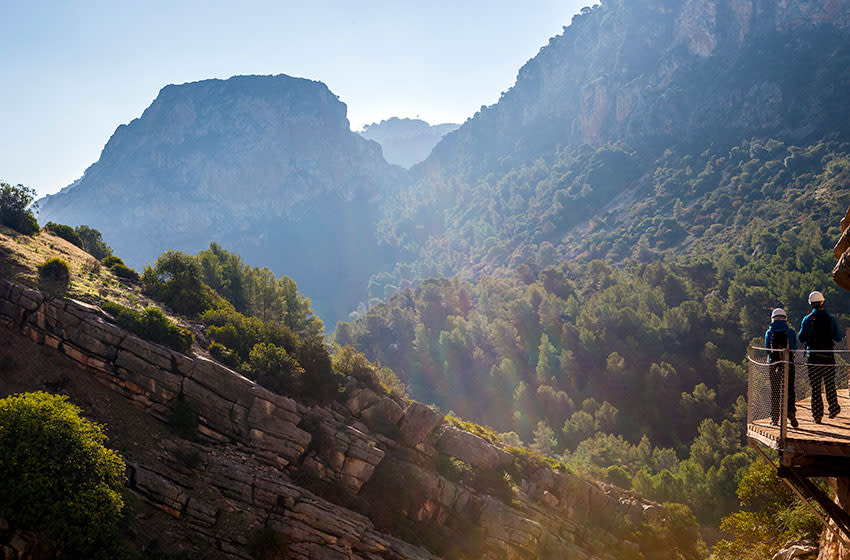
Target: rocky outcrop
335 481
656 72
841 251
266 166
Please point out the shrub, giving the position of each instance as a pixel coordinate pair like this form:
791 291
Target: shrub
15 209
176 280
56 476
55 269
151 324
321 382
65 232
240 333
93 243
123 271
272 367
224 355
618 476
111 260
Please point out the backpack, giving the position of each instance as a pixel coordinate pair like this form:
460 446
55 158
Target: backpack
779 340
820 334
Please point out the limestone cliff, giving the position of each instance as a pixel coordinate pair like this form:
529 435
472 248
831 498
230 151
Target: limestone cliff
657 72
264 165
366 477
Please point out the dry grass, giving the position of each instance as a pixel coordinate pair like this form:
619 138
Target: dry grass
21 255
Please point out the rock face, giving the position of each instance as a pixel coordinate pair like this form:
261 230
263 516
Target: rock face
656 72
335 481
406 142
841 272
264 165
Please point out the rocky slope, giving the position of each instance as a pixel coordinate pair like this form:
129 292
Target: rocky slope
660 72
358 479
264 165
406 142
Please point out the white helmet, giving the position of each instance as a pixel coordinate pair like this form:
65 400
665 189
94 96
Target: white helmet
815 297
778 313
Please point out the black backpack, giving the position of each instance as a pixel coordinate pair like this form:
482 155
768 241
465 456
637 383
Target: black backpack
778 340
820 334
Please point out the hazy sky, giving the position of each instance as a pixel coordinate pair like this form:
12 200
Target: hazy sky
72 71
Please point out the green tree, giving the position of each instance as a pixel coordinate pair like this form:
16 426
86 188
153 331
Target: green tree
544 441
16 205
93 242
56 476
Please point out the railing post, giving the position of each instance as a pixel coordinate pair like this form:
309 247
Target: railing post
783 415
751 375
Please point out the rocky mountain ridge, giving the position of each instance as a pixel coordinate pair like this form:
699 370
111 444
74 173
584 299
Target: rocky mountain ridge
264 165
656 72
333 480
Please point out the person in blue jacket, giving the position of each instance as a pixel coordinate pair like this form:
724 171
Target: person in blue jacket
819 332
781 336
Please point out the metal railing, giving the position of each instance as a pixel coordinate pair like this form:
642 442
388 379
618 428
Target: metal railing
779 392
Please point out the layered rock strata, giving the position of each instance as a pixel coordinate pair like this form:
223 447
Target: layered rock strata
264 461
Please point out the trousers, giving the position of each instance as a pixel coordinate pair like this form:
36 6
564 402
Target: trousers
776 375
822 373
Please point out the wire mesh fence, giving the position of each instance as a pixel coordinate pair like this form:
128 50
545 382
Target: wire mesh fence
788 387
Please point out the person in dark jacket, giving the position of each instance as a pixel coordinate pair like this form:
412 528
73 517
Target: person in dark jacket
781 336
819 331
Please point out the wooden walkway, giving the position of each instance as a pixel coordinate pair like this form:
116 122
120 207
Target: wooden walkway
831 438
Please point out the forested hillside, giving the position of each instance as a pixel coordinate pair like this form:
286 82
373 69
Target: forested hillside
617 229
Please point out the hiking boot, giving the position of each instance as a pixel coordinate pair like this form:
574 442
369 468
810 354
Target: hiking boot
793 420
835 412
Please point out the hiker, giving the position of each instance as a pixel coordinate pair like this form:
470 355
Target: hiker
818 332
781 336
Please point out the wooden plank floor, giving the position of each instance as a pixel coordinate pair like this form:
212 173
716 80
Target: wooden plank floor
832 437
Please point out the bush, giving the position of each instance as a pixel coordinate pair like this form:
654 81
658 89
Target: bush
111 260
123 271
56 476
15 209
93 243
272 367
321 382
224 355
618 476
65 232
54 269
151 324
176 280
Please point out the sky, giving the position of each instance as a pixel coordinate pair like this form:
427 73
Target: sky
72 71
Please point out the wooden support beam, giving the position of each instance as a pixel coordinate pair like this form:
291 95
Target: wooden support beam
840 517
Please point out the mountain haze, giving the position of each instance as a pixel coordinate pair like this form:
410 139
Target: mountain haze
406 142
265 165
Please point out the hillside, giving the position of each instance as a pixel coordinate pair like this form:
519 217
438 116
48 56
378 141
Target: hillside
633 107
265 165
659 72
616 229
215 459
406 142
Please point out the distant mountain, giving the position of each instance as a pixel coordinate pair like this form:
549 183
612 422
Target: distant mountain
406 142
264 165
